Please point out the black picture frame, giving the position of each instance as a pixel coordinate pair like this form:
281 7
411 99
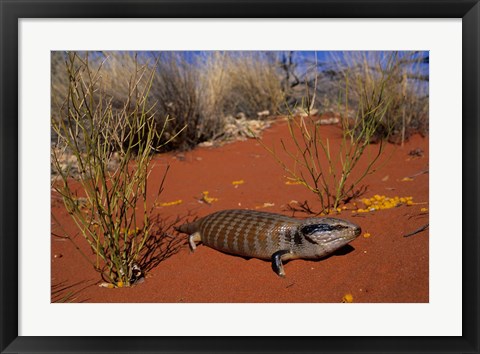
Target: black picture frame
12 11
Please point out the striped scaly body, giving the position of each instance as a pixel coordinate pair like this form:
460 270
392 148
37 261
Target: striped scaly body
270 236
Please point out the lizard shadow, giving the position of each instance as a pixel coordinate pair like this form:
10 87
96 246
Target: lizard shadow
340 252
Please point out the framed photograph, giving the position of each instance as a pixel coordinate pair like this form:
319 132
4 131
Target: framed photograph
312 175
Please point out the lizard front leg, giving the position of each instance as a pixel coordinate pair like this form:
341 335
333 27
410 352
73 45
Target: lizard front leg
277 261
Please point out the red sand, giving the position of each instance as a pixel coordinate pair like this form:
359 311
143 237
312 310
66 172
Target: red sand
385 267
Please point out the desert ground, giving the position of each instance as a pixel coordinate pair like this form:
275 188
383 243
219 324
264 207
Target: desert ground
380 266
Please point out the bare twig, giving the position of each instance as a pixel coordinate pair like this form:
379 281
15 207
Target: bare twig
418 174
424 227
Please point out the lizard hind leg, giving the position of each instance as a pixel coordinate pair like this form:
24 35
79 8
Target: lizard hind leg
193 239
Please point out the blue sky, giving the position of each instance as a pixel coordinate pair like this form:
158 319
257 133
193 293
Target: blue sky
305 60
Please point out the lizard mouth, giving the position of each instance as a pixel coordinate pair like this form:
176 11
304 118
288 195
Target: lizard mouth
358 231
354 234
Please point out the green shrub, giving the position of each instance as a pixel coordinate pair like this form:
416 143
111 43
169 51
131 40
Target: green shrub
111 149
326 170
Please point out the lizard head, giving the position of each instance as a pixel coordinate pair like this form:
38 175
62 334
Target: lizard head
328 234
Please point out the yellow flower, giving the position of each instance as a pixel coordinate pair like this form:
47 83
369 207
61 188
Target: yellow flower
381 202
208 199
236 183
106 285
424 209
265 205
120 284
175 202
347 298
366 234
